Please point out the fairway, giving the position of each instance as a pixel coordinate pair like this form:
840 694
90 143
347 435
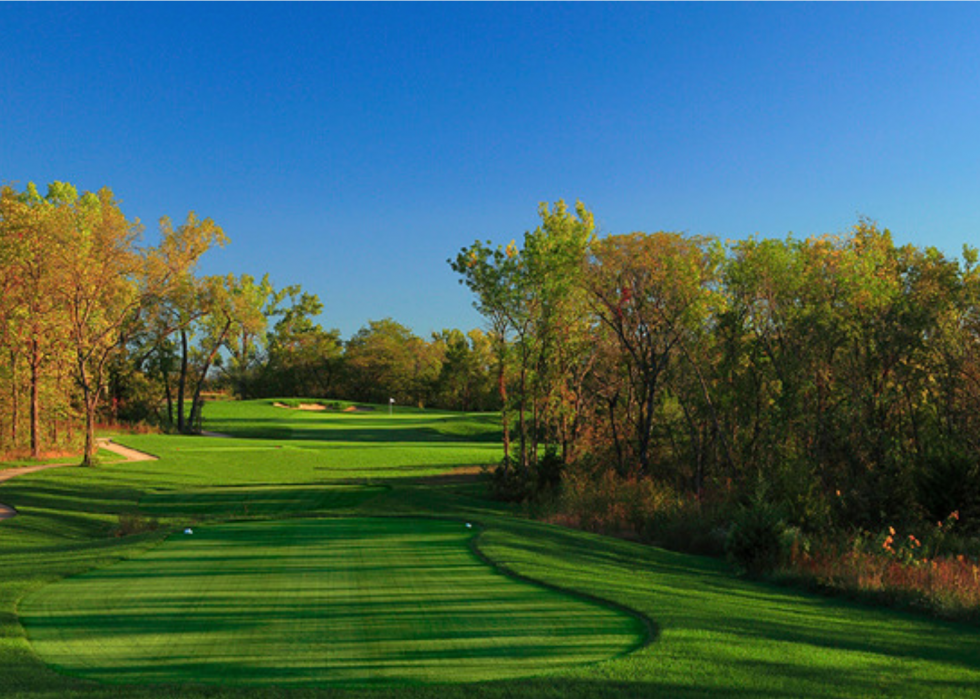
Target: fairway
317 601
212 503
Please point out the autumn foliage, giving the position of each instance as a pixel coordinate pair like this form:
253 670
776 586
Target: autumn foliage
833 378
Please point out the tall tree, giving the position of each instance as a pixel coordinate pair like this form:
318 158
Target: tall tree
101 292
303 358
492 274
652 291
30 223
181 301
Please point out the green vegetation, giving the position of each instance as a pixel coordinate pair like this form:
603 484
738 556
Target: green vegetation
809 407
316 601
304 502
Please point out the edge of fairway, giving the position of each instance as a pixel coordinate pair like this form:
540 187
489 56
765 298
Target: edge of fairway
650 627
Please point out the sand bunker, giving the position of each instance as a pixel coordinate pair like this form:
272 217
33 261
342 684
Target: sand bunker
301 406
320 406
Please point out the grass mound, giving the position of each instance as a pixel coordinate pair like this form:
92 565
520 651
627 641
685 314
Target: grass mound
316 601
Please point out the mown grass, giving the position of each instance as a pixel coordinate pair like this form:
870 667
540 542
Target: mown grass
316 601
716 635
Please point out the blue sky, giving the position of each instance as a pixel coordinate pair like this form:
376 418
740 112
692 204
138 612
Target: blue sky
353 148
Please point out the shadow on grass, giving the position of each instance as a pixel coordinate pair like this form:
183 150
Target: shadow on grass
365 428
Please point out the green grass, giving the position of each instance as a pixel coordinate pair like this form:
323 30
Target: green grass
102 455
316 601
299 484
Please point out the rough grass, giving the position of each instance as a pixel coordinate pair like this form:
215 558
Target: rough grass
716 635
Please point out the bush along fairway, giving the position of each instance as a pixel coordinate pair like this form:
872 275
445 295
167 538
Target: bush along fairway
329 555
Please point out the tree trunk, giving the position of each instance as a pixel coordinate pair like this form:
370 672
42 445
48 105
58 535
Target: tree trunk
182 382
35 398
88 459
502 387
170 399
195 416
14 413
90 401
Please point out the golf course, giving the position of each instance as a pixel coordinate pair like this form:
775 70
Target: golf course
356 554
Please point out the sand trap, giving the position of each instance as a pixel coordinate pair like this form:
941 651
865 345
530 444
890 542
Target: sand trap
318 407
301 406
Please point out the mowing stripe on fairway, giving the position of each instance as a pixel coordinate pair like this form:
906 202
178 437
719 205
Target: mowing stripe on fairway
317 601
266 501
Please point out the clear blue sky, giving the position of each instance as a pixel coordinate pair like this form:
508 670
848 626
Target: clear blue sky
353 148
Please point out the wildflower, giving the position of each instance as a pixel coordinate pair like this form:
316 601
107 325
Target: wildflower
891 530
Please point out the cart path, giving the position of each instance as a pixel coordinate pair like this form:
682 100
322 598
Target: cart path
126 452
6 511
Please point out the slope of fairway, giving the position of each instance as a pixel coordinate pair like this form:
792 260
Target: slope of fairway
317 601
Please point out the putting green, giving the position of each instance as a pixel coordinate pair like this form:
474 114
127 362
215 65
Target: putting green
316 601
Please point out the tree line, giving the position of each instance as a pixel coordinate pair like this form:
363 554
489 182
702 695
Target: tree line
96 327
837 376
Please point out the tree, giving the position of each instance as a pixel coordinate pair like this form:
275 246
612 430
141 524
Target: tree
303 358
247 340
492 275
178 302
560 338
652 291
464 381
233 306
102 289
33 323
386 360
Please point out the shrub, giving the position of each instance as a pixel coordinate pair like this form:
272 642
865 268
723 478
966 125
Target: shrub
131 523
756 538
549 470
949 481
510 484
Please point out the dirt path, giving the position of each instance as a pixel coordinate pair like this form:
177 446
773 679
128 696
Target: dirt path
6 511
125 452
